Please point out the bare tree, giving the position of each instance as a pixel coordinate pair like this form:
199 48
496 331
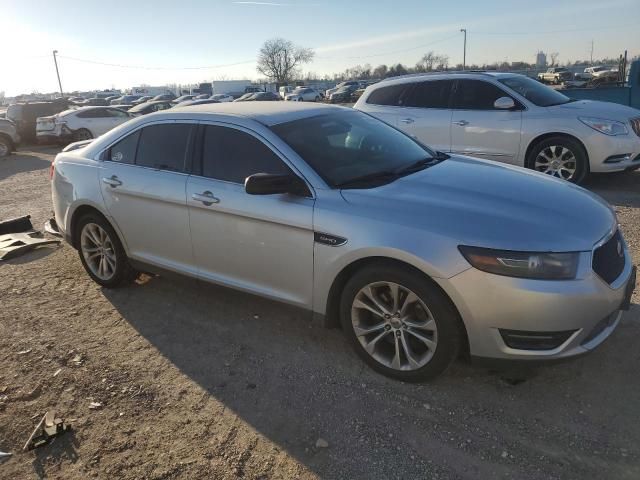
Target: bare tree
554 59
432 61
279 59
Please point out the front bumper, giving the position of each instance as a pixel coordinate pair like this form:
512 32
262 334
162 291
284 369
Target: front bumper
613 154
587 307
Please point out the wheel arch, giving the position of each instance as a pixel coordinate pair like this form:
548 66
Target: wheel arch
545 136
82 210
332 311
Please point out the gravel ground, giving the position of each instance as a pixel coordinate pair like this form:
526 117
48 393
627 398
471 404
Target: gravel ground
197 381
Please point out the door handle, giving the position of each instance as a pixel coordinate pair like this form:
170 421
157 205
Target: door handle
207 198
462 123
112 181
407 120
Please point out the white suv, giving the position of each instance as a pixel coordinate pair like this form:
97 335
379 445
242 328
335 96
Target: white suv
509 118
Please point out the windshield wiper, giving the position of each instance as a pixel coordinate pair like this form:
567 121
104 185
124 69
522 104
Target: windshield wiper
368 178
422 164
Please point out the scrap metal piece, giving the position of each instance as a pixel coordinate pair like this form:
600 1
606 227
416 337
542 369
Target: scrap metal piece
48 427
51 227
15 244
5 456
16 225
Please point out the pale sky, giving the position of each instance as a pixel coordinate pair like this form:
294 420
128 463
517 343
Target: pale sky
192 41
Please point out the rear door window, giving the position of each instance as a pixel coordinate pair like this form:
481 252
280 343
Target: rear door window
164 146
430 94
125 150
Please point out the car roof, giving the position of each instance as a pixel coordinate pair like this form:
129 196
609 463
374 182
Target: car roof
444 75
267 113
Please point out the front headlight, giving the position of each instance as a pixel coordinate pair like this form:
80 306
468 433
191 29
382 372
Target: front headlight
602 125
540 266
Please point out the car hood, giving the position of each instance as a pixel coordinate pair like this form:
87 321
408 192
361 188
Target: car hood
592 108
487 204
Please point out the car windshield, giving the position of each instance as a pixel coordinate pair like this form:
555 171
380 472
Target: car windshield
534 91
354 150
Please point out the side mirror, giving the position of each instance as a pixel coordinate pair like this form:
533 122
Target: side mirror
504 103
272 184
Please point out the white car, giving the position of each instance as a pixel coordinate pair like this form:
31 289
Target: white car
509 118
222 97
79 124
600 71
303 94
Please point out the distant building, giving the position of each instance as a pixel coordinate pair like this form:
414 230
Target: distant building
541 59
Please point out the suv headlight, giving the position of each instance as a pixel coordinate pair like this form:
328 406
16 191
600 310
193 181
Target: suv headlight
535 265
602 125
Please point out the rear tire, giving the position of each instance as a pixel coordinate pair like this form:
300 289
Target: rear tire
101 252
5 147
413 338
567 153
82 134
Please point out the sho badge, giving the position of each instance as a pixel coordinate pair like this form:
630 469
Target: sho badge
328 239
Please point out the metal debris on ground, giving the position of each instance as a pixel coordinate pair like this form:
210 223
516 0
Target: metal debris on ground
16 225
49 427
15 244
51 227
5 456
95 405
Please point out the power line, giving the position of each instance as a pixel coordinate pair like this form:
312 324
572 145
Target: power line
139 67
392 52
553 32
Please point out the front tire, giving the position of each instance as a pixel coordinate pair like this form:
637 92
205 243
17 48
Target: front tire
560 156
101 252
400 323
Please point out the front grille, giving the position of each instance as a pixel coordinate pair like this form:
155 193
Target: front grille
608 259
635 124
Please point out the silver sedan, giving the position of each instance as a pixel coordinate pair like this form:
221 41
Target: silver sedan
418 255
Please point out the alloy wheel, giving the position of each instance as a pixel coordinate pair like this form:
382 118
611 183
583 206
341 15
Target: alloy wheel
98 251
558 161
394 326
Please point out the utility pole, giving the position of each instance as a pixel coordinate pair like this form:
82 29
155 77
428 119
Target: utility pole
55 61
464 52
591 52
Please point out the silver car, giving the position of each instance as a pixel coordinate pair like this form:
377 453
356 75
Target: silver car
416 254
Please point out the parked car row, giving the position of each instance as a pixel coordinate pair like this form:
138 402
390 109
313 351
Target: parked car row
558 75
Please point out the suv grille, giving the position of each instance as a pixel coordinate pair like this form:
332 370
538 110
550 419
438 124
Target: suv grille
635 124
608 259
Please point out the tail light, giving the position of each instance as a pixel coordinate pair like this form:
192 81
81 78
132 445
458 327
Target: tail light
52 170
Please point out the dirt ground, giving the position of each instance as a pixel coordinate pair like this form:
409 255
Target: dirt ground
197 381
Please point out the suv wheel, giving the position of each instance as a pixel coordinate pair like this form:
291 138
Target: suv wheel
101 252
399 323
562 157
